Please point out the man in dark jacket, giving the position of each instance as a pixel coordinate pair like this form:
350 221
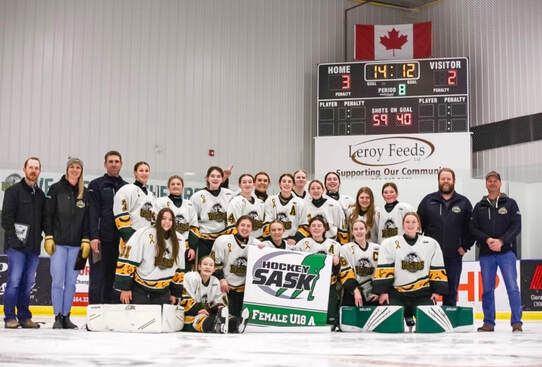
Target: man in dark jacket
445 216
104 236
495 224
22 218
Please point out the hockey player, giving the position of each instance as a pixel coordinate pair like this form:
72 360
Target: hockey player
261 184
410 269
362 256
391 216
186 218
364 208
287 208
329 209
276 232
133 205
332 182
204 303
341 274
247 204
211 206
300 180
230 255
150 268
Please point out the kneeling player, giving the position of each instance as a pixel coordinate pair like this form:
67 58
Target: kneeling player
150 268
410 269
205 304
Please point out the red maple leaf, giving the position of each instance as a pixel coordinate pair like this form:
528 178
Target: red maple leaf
393 41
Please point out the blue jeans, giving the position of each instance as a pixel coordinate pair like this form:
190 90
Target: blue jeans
63 278
22 268
507 263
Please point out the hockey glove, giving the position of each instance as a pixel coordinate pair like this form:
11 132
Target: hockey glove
49 245
85 248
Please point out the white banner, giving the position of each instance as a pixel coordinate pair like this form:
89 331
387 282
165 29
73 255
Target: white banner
287 288
391 156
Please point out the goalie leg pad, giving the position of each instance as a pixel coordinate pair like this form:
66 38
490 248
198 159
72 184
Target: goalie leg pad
380 319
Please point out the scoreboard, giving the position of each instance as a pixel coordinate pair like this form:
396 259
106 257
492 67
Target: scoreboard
393 97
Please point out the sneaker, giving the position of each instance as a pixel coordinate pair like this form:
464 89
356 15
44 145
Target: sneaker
486 328
12 324
29 324
245 314
221 321
68 324
58 322
517 328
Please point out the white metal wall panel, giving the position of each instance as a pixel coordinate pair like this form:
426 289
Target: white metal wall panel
164 81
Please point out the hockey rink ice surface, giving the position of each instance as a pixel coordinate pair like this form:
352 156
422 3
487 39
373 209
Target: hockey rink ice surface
48 347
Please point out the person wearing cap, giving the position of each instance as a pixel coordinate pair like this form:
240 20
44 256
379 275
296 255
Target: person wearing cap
66 235
22 221
495 223
445 217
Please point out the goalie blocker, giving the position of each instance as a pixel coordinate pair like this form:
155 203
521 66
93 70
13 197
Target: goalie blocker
389 319
135 318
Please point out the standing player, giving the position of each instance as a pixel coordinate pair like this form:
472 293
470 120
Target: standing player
287 208
362 256
211 206
230 255
186 218
204 303
329 209
391 217
247 204
445 216
410 269
332 182
364 209
300 180
261 184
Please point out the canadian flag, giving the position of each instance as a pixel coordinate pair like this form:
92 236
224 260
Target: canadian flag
401 41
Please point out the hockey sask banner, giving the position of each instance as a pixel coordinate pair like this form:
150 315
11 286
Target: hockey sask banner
287 288
391 156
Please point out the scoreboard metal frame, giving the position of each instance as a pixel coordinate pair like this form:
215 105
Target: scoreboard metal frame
393 97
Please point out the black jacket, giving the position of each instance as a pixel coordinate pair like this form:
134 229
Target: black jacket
447 222
101 192
23 205
502 222
66 216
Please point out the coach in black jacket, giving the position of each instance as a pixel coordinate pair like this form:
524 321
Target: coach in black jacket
104 236
22 217
445 216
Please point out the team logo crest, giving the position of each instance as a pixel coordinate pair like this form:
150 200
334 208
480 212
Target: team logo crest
239 266
146 211
80 204
284 219
217 213
502 211
364 267
180 223
412 263
10 180
456 209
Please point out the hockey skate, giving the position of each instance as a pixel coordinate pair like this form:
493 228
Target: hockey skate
245 314
221 321
410 323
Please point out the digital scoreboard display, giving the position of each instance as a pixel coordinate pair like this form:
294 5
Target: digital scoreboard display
393 96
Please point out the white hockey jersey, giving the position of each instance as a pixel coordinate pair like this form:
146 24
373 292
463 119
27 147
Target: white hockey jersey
411 269
212 211
133 209
333 214
209 293
345 201
391 224
363 262
232 258
284 245
373 231
293 214
240 206
137 263
186 218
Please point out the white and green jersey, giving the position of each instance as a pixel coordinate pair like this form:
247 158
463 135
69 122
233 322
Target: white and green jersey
138 263
186 217
411 269
254 208
364 262
211 210
209 293
133 209
333 214
391 223
373 231
284 245
344 200
232 258
329 246
293 214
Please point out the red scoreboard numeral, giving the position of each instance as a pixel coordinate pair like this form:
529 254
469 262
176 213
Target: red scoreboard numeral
345 81
380 119
452 77
404 119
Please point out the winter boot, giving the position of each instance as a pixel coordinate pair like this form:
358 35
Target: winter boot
67 324
59 322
